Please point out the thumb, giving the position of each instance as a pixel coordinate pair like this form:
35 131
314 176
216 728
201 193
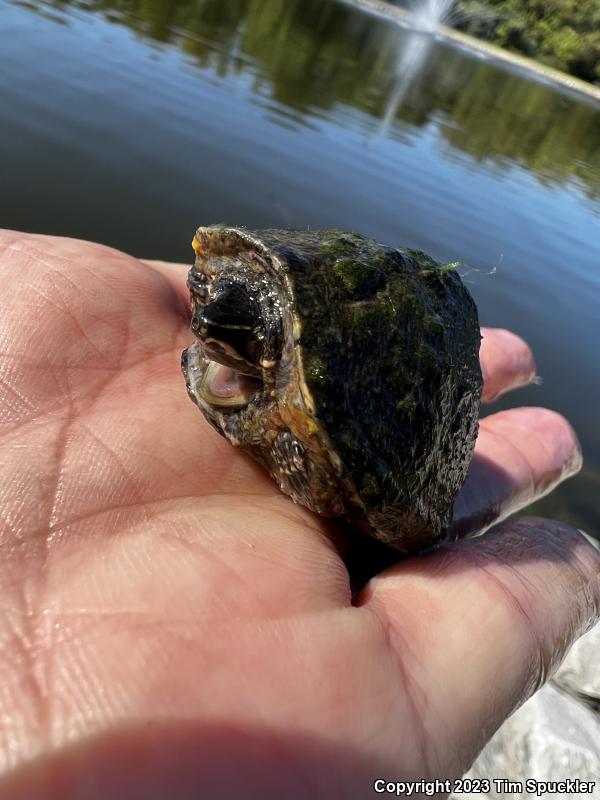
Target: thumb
480 625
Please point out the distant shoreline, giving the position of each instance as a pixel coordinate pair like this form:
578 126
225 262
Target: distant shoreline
397 14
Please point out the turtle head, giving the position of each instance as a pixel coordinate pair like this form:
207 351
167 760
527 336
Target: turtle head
244 371
235 320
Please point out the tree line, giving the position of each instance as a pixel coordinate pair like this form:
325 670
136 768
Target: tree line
564 34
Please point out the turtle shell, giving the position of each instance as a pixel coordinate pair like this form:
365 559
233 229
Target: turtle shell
348 369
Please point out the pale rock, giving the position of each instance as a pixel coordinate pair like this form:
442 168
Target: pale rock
552 737
580 671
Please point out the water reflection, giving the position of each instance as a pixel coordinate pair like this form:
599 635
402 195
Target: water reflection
341 57
411 60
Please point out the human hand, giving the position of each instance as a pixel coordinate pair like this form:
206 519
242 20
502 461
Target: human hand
174 627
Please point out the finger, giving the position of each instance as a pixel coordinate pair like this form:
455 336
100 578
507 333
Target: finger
175 274
477 627
521 455
506 362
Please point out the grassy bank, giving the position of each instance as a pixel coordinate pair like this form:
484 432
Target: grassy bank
386 9
563 34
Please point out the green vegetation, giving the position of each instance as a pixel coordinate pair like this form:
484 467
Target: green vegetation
564 34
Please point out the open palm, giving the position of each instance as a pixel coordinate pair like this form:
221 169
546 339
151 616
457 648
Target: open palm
173 626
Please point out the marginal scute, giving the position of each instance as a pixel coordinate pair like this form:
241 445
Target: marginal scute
368 398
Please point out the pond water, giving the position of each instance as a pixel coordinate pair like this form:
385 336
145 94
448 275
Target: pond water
131 122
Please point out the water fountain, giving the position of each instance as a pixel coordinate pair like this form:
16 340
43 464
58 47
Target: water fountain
428 14
425 18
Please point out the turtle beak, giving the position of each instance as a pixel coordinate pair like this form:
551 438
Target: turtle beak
229 329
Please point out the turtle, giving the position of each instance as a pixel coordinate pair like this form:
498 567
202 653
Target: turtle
347 368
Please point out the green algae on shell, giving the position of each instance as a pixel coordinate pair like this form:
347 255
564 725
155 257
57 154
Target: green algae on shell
348 369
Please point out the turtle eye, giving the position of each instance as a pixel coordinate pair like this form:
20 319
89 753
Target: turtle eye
230 327
197 285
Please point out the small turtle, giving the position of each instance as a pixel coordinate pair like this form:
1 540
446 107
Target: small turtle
347 369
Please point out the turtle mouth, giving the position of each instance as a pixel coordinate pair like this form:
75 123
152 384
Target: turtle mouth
215 386
230 338
226 389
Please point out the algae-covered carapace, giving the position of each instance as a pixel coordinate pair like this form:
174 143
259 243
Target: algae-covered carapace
347 368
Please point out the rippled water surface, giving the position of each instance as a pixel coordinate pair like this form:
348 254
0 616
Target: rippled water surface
132 122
